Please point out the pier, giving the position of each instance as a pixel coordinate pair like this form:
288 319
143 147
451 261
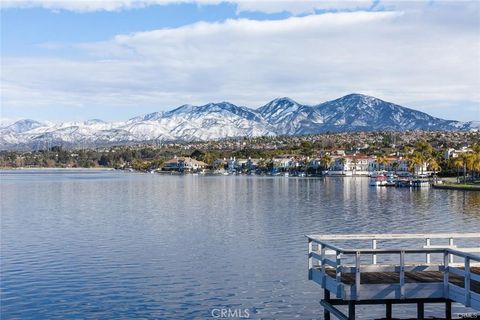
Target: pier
390 269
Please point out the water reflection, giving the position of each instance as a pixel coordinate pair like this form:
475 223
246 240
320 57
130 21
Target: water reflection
110 245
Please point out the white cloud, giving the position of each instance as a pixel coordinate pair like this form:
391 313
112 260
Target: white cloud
401 57
268 6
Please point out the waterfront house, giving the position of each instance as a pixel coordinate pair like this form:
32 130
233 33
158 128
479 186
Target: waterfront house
283 162
220 163
251 164
453 153
351 165
182 164
395 164
232 164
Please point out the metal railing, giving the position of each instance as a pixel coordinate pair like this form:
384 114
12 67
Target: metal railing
321 249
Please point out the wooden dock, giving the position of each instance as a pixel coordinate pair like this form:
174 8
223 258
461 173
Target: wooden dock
384 271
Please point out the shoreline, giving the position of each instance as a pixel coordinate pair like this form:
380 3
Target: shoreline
57 169
460 187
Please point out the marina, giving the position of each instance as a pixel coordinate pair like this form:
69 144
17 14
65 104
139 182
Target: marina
406 269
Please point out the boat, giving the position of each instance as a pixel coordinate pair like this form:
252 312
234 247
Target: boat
377 181
390 180
420 183
403 183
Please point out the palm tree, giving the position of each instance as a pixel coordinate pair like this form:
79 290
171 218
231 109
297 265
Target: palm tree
395 166
433 164
424 151
382 161
354 163
461 162
424 148
476 162
325 161
414 160
342 162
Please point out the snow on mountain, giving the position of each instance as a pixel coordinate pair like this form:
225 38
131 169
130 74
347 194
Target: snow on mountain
354 112
215 120
22 126
290 117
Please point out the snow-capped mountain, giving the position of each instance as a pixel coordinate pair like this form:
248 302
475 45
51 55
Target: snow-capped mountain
290 117
357 112
282 116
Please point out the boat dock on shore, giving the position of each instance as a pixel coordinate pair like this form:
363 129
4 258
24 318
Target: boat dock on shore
395 269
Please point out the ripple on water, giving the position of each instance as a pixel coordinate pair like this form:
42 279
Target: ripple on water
110 245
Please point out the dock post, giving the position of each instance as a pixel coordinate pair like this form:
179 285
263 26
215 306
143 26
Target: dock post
448 310
420 311
326 297
388 311
351 310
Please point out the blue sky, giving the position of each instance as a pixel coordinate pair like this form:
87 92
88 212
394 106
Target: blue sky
77 60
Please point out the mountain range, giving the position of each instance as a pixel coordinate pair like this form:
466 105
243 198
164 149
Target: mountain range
282 116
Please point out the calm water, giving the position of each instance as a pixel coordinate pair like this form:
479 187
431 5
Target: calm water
124 245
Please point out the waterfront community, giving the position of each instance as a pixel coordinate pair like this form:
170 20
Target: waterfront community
393 158
234 159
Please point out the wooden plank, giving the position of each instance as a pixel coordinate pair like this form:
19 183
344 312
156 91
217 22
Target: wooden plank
357 275
338 274
322 265
457 271
467 281
369 236
317 276
475 277
456 293
402 274
393 268
310 259
475 301
445 274
330 262
330 284
450 244
463 254
392 291
316 255
427 256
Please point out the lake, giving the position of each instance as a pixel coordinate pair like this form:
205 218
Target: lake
106 244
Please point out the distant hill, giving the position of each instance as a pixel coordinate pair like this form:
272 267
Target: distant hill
282 116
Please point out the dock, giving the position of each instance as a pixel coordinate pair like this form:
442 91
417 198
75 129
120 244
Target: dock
390 269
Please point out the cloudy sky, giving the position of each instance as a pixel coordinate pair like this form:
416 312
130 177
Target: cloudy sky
77 60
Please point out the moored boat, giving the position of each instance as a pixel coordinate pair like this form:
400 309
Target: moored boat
390 180
378 180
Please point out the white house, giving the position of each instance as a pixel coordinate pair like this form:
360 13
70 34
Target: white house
452 153
351 165
183 164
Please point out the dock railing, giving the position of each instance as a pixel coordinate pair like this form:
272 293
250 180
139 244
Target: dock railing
328 262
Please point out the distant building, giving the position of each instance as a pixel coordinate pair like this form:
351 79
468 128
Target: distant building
232 164
452 153
183 164
251 164
395 164
219 163
283 162
351 165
